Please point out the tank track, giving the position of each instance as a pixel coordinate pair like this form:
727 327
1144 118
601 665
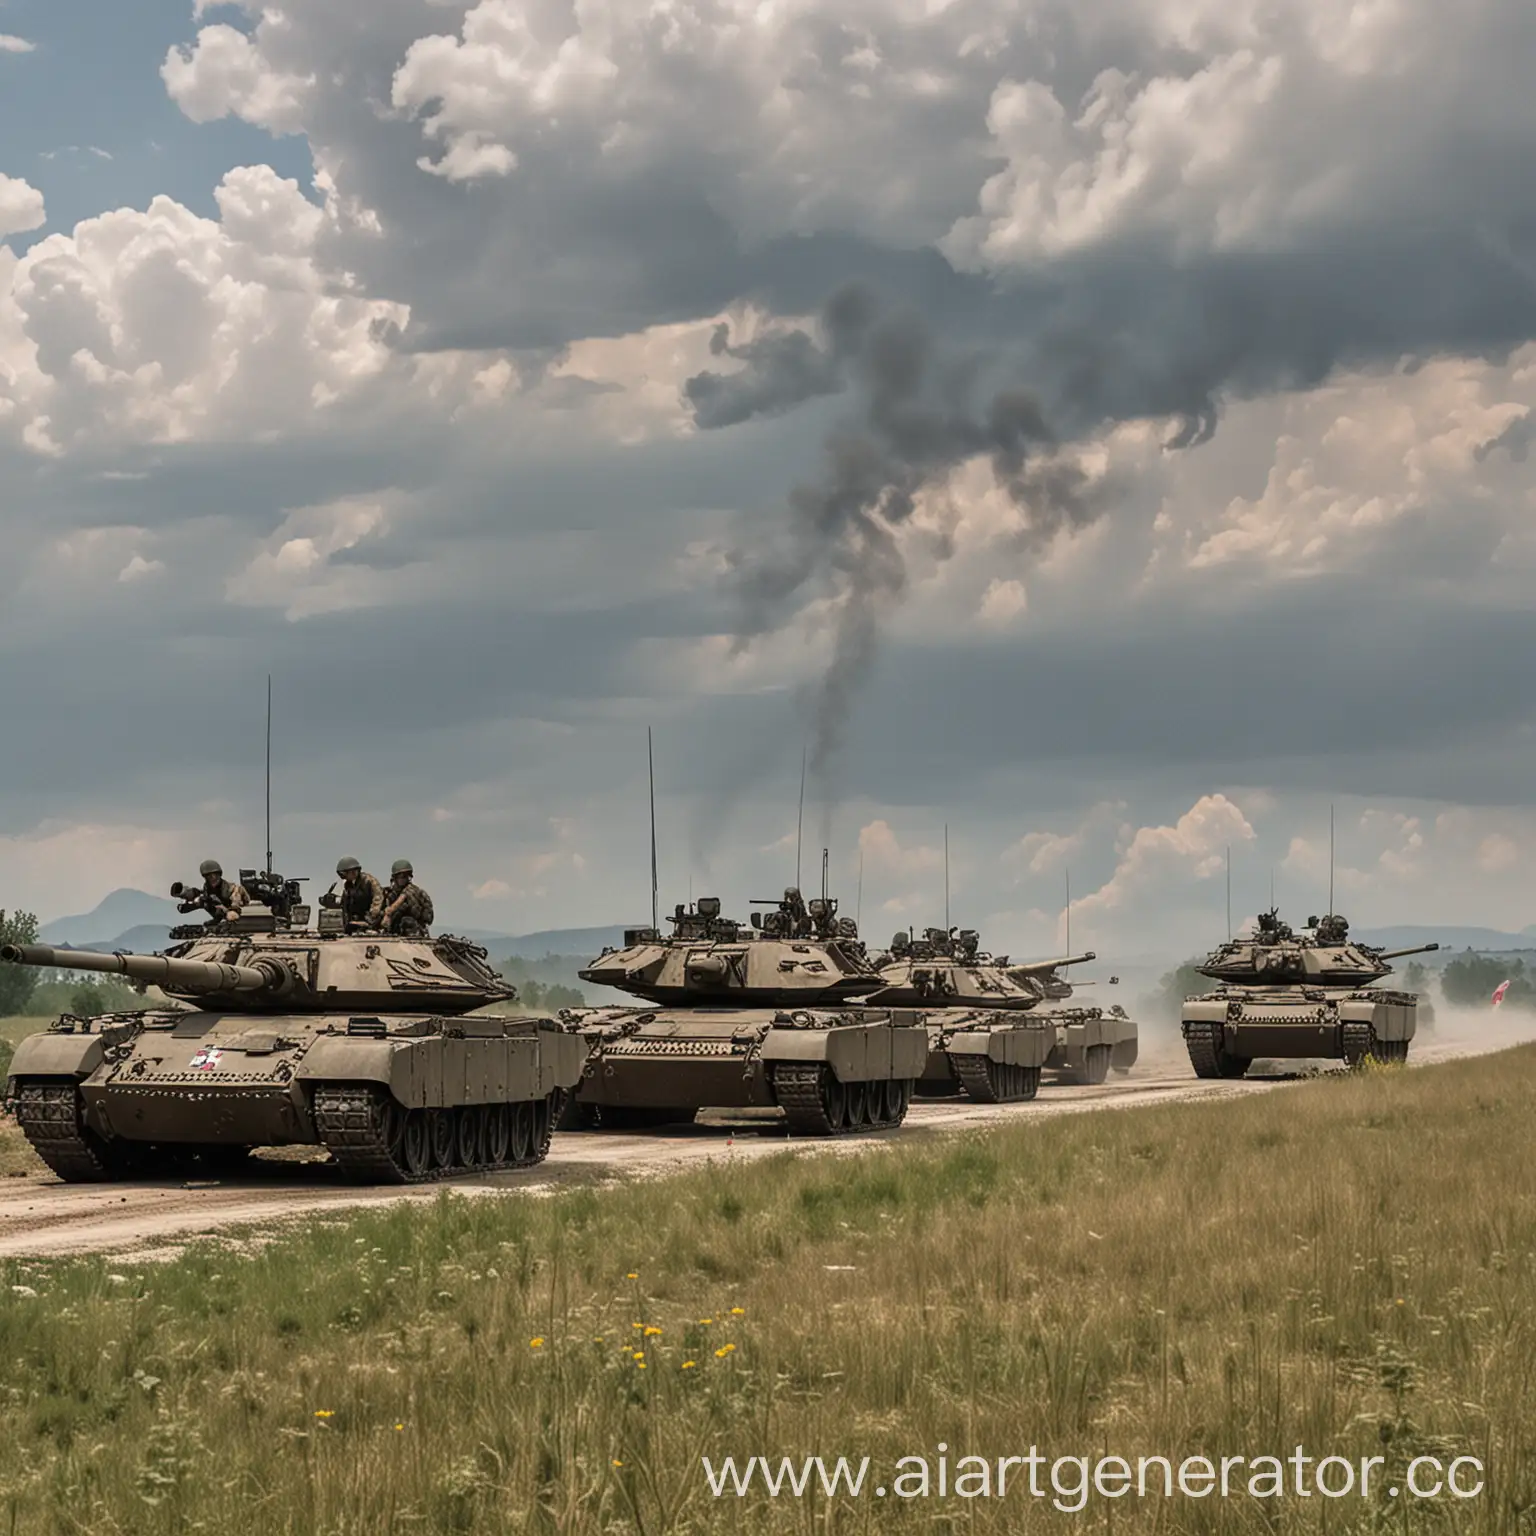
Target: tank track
351 1128
803 1092
1202 1040
49 1116
993 1082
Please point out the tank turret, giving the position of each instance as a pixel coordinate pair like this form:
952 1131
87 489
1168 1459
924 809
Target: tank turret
290 971
1323 955
799 955
1288 995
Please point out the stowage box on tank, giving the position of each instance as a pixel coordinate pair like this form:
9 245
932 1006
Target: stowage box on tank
739 1016
358 1043
1285 995
987 1033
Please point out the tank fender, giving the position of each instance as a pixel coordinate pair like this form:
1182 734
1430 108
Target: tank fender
1009 1046
57 1055
1199 1011
857 1053
428 1072
1391 1021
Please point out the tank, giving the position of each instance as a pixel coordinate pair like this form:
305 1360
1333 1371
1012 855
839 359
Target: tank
1285 995
765 1015
363 1044
987 1033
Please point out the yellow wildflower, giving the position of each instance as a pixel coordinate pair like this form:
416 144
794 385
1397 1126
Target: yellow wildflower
738 1311
537 1343
618 1463
723 1351
325 1413
641 1366
639 1354
704 1322
633 1275
688 1365
399 1426
652 1332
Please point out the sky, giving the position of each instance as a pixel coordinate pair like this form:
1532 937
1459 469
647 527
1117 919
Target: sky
1101 430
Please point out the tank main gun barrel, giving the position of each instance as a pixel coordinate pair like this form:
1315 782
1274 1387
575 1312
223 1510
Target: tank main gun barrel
266 975
1045 967
1417 949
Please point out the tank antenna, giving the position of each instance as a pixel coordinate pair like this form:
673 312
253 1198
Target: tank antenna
800 818
946 877
650 762
269 773
825 855
1330 860
858 901
1229 893
1069 911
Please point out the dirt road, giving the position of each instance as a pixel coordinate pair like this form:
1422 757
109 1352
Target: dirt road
40 1216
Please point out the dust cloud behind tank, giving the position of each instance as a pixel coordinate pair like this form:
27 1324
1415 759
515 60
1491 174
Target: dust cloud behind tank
360 1043
759 1015
1286 995
988 1031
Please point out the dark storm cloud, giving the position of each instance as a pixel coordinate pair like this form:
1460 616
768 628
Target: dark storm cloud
1361 686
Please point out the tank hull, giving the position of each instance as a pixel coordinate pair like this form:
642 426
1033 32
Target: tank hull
1225 1032
992 1057
647 1066
139 1093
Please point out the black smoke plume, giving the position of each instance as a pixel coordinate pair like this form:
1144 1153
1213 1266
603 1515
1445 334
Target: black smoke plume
918 410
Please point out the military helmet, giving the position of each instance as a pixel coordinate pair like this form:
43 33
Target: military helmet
401 867
210 867
347 865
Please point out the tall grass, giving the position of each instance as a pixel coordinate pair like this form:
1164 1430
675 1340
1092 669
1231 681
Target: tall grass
1345 1264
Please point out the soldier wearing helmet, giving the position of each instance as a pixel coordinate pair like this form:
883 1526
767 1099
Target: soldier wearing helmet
361 897
409 912
222 898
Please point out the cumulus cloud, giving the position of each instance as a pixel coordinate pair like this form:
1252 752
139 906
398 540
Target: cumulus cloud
21 207
1193 848
224 74
164 326
9 43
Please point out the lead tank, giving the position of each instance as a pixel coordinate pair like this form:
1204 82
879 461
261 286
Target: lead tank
743 1016
987 1034
1288 995
360 1043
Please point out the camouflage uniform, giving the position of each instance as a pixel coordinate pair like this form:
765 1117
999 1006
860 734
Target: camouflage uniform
362 902
412 913
233 897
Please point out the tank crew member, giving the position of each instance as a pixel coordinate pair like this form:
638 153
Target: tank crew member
409 912
361 898
221 897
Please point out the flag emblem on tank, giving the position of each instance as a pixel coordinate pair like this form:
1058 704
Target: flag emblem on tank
207 1057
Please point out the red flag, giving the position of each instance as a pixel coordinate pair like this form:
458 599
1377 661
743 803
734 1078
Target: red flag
1498 993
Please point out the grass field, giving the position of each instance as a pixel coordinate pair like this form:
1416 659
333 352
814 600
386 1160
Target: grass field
1348 1264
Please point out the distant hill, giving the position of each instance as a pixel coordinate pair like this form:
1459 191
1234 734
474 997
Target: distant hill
114 914
140 940
586 942
1448 937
